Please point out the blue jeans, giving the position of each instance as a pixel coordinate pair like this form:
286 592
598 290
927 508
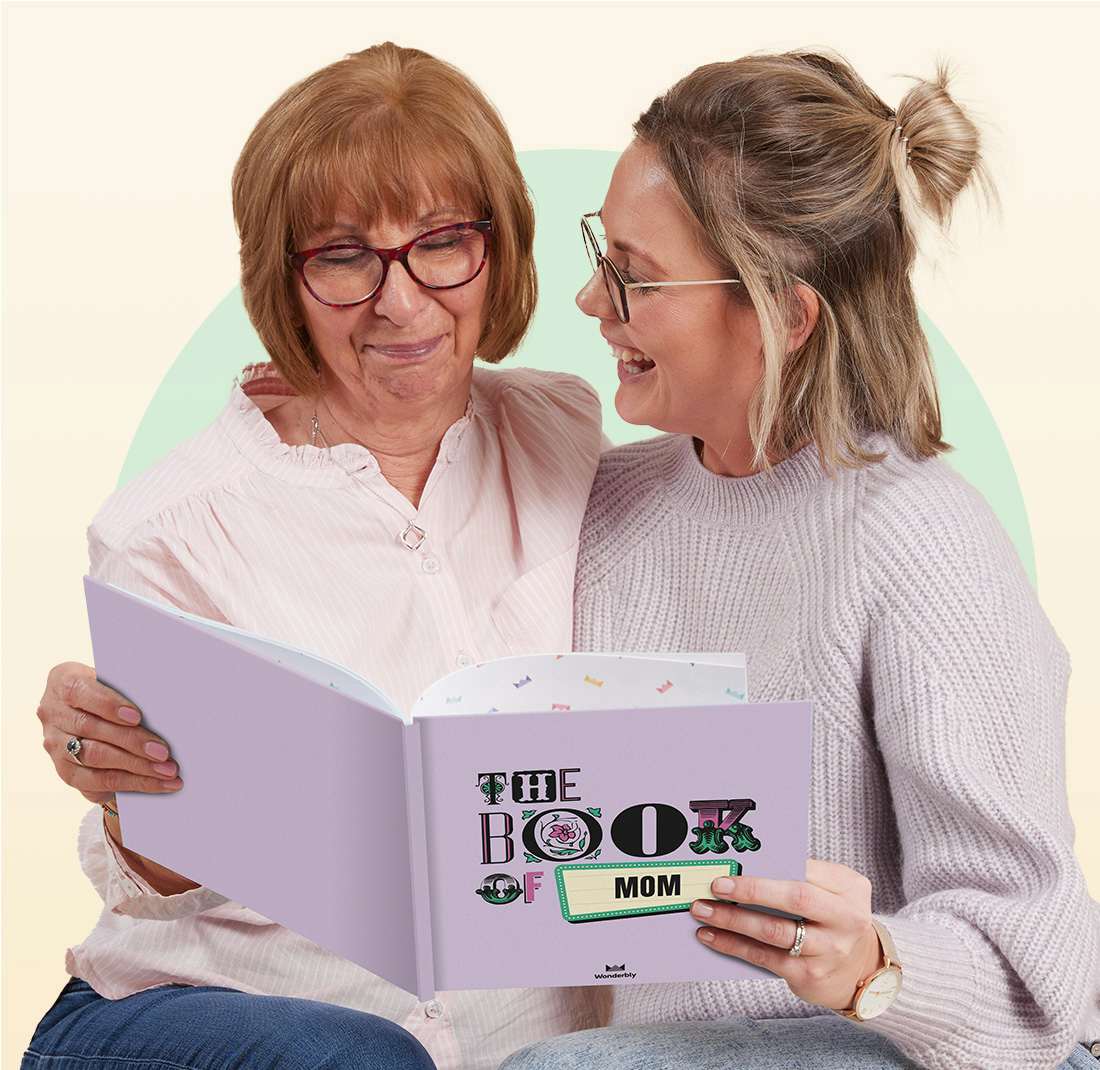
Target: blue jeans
824 1042
179 1027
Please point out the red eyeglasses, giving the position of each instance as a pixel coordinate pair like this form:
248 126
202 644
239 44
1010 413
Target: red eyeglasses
346 273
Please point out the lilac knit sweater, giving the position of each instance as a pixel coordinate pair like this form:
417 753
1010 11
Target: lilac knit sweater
891 597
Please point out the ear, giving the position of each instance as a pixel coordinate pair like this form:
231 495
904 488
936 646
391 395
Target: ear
805 309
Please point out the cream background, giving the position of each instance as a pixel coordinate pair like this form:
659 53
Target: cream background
123 124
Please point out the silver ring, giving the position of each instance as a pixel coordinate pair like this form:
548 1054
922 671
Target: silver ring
74 745
799 936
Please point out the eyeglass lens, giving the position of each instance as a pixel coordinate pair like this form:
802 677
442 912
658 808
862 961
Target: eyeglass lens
600 263
344 276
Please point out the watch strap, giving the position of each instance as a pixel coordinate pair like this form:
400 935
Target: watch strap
889 959
887 941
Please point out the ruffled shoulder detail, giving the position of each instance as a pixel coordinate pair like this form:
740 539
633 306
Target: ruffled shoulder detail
239 443
258 389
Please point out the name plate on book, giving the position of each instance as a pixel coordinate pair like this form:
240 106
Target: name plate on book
598 890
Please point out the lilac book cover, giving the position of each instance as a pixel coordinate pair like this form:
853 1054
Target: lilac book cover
545 820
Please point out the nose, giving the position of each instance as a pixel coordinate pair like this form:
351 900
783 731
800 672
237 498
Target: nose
593 299
401 298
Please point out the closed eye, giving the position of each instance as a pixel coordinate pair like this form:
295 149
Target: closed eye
639 287
343 254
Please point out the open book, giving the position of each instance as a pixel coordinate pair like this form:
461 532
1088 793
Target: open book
542 820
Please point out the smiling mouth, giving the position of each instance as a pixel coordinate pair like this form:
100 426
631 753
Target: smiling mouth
408 350
632 363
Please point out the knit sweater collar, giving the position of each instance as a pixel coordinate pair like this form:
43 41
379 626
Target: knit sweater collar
693 489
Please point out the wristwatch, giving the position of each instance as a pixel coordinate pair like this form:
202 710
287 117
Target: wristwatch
876 993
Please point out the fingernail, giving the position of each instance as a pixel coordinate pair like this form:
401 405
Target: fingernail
701 909
165 768
706 935
157 751
129 714
723 885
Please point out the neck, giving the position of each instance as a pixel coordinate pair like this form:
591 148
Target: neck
734 456
728 453
403 435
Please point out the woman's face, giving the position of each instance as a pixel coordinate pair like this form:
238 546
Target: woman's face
690 357
407 343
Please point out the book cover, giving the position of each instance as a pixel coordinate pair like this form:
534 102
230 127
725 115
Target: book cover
541 820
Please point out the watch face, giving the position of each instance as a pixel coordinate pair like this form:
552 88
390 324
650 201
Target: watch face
878 994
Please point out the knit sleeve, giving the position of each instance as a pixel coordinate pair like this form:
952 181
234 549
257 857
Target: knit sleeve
144 566
998 937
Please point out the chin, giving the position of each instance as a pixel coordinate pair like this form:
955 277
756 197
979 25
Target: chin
633 413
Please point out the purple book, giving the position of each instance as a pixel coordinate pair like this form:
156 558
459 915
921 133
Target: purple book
536 821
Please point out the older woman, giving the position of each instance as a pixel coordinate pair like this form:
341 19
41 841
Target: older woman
368 495
753 284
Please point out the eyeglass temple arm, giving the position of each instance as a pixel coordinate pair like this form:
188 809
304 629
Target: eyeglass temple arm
693 282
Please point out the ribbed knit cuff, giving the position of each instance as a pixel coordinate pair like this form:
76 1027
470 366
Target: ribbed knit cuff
954 1011
934 1016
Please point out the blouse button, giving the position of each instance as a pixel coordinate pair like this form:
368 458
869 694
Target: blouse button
434 1009
430 564
464 660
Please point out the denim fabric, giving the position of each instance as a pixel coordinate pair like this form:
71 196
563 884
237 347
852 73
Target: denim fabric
825 1042
179 1027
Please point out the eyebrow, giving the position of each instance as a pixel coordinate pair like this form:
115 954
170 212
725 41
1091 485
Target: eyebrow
640 254
632 250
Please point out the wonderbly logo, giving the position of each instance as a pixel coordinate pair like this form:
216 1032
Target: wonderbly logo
614 973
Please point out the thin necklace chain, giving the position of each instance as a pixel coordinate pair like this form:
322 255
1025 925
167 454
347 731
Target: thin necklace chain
316 431
413 536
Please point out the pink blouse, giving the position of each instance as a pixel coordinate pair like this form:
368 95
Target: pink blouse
315 548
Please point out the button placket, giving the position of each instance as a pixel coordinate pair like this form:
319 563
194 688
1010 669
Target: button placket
433 1009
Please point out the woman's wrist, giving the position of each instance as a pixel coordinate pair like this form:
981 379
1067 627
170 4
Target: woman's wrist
165 881
874 957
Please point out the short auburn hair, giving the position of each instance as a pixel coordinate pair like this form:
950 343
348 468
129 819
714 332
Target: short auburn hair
377 129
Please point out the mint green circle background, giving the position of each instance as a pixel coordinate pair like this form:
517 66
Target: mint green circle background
564 183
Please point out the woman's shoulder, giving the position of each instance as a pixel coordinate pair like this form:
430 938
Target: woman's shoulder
923 527
909 498
900 483
203 463
547 423
627 469
534 392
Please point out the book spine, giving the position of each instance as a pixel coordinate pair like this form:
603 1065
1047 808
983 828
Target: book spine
416 824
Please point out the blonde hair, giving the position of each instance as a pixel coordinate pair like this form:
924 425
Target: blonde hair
378 129
796 171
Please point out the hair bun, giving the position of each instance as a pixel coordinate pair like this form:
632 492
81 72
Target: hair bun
941 145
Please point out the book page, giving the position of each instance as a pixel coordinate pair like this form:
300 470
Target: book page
563 682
